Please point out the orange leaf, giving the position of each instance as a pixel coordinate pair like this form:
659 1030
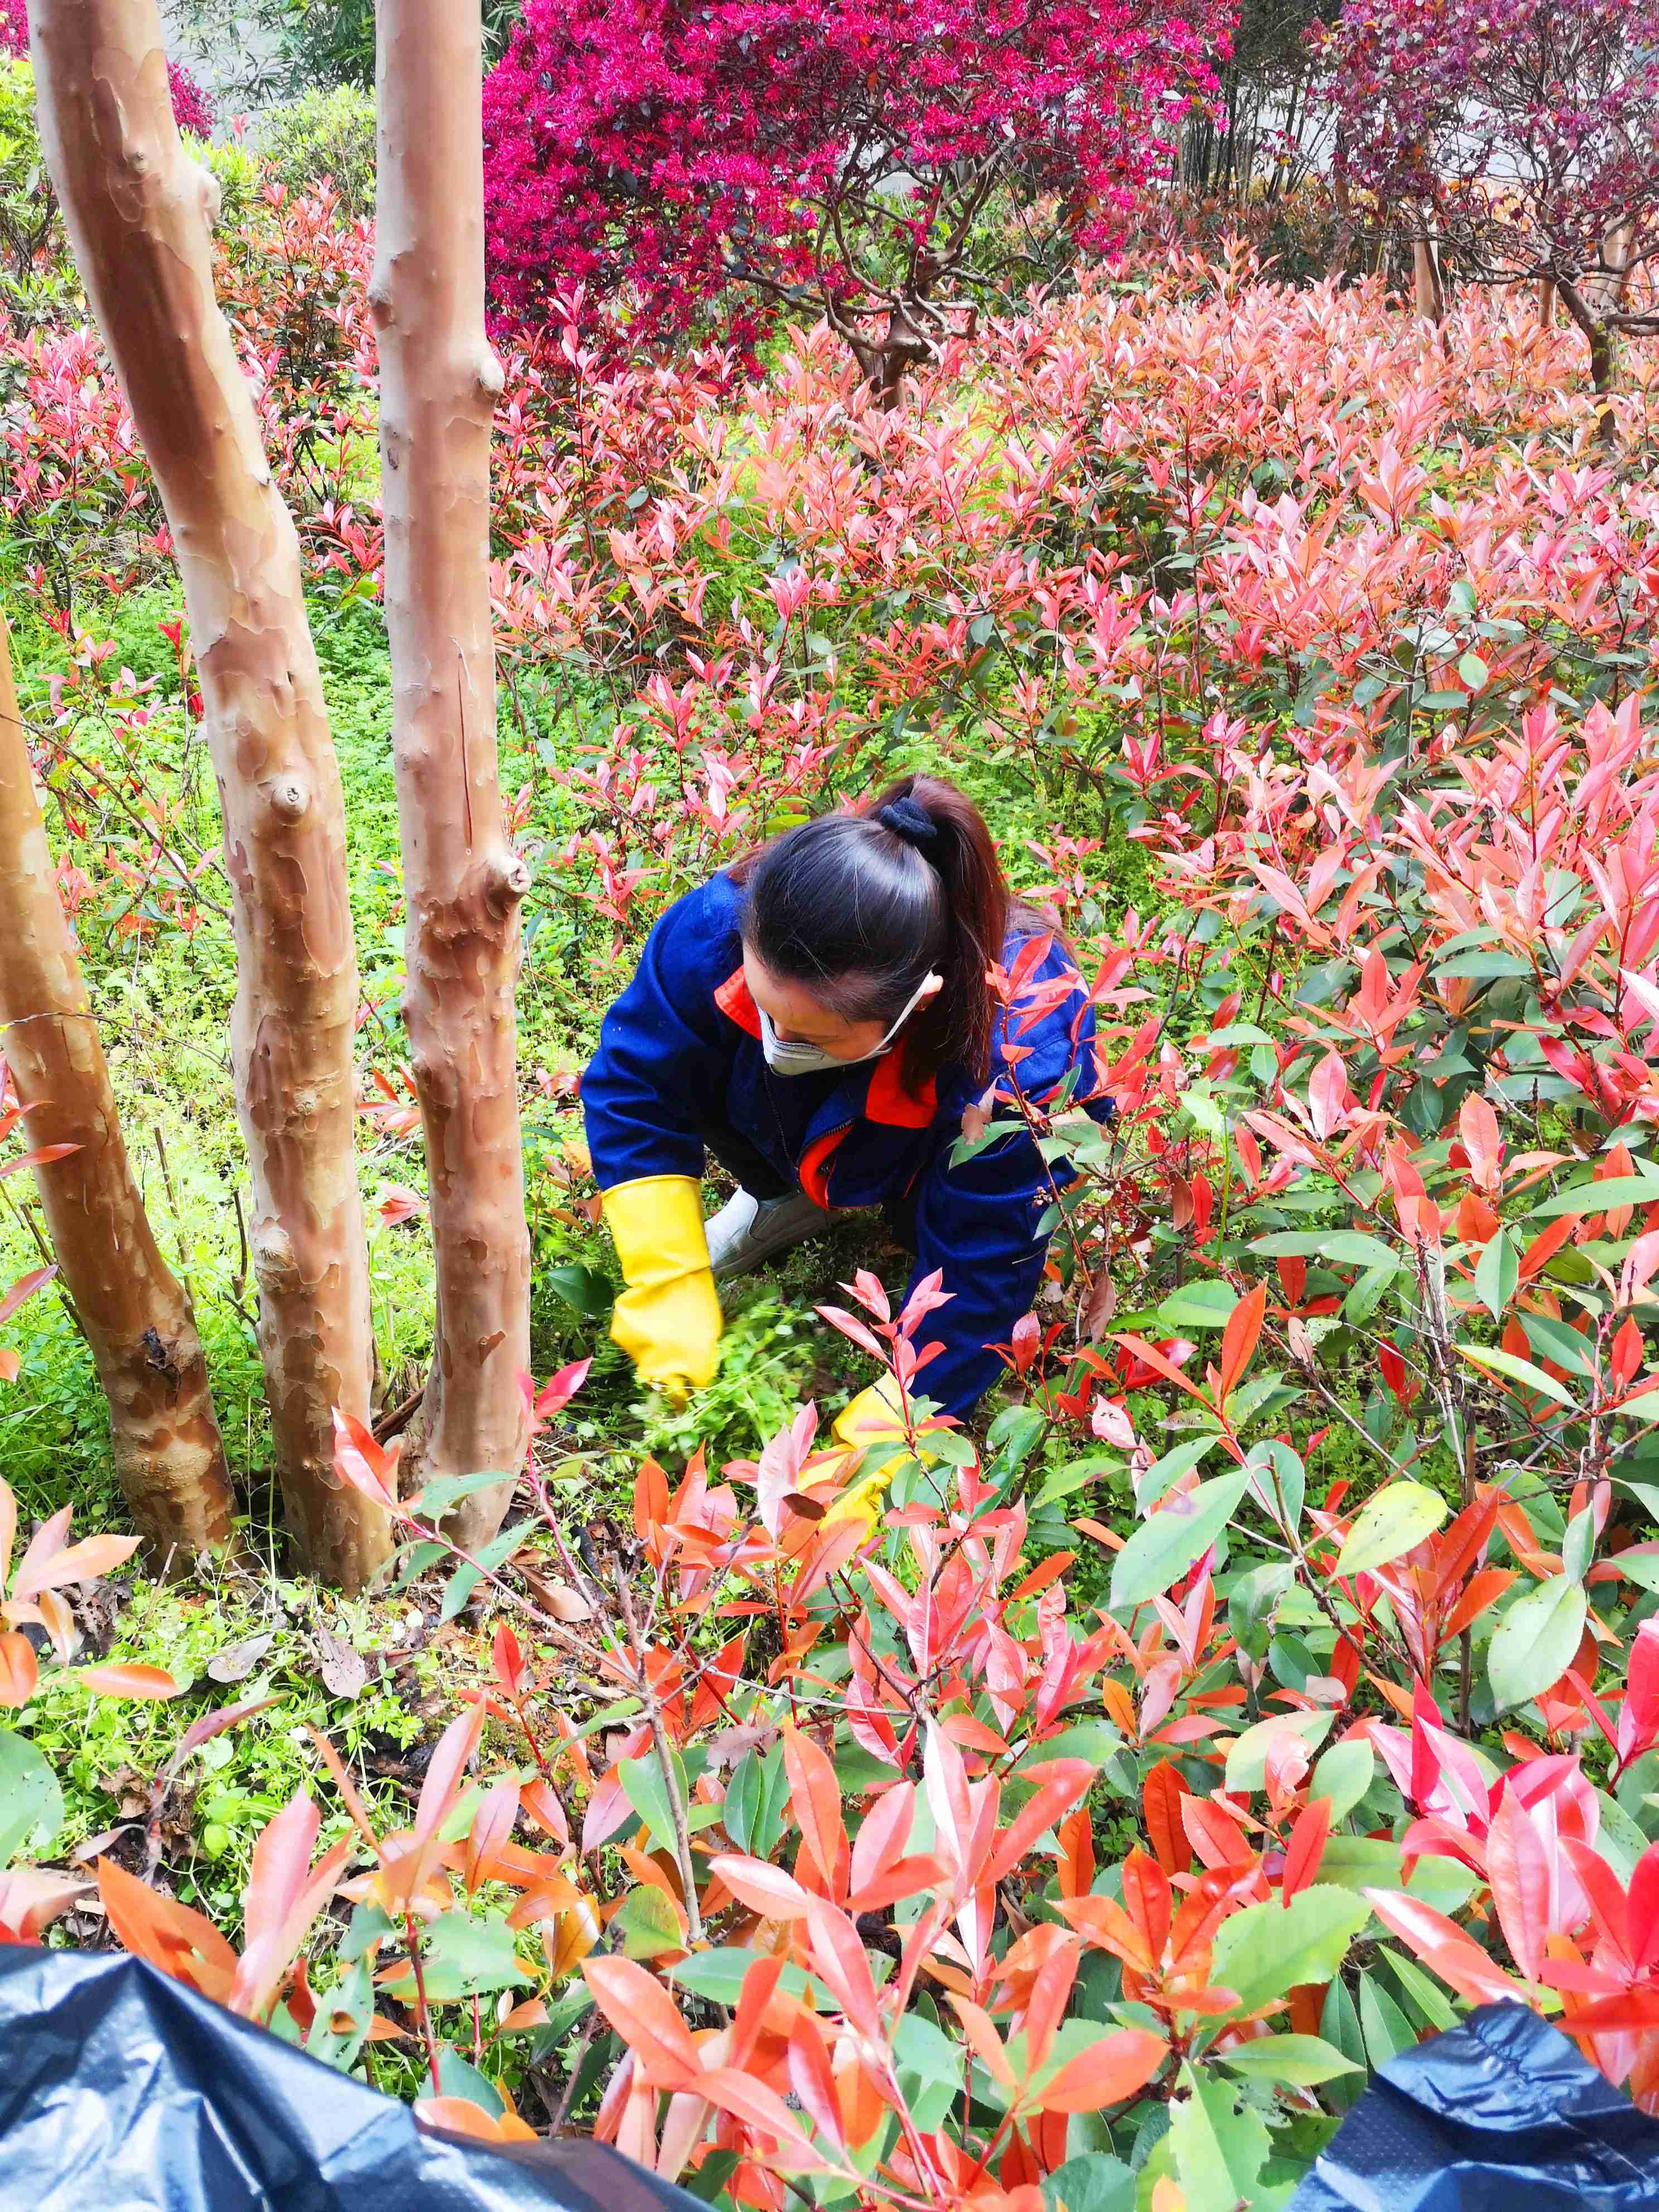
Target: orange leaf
447 1770
76 1563
1105 2073
362 1464
182 1943
459 2115
644 2015
757 2107
983 2039
814 1801
1238 1340
1160 1806
763 1888
126 1678
20 1670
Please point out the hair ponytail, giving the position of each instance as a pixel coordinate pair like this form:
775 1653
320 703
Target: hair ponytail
858 907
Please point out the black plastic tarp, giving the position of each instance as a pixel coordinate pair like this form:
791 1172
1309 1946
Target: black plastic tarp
1500 2114
122 2091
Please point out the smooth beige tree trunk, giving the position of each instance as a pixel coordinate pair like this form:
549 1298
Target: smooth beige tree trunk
135 1316
1431 295
137 210
462 880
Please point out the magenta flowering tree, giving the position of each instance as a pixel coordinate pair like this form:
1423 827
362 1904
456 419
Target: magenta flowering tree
699 161
1523 135
191 111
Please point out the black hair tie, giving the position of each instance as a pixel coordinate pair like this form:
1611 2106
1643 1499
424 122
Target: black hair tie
911 822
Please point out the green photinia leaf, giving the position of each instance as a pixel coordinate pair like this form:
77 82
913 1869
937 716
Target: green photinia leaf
1396 1520
1268 1950
1219 2149
1586 1197
1163 1548
647 1793
1303 2061
1534 1644
1094 2181
1497 1274
1343 1775
1519 1370
1199 1305
31 1803
1337 1247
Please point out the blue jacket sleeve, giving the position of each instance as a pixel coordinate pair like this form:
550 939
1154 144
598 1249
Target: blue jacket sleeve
660 1075
978 1223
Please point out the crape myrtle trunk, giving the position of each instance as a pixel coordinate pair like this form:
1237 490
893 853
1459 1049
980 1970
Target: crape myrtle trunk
138 211
135 1315
462 880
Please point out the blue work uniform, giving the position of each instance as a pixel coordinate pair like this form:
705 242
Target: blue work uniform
680 1073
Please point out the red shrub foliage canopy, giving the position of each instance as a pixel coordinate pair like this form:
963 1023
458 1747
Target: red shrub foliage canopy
659 149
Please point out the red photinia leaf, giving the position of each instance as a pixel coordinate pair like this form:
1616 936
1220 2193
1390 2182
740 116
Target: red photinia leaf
1306 1847
556 1392
128 1678
1045 2007
507 1660
42 1156
644 2015
285 1894
759 2108
1238 1340
650 1498
1148 1898
839 1318
19 1668
982 2039
1160 1807
839 1960
24 1287
764 1888
182 1943
1518 1869
1443 1947
1066 1781
367 1465
76 1563
1477 1125
810 2079
881 1839
814 1801
492 1826
446 1770
1117 2067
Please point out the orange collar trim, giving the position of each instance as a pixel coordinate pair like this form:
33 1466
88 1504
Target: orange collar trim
735 1002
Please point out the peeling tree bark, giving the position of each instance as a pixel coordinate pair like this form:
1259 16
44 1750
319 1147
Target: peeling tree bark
136 1318
138 212
463 882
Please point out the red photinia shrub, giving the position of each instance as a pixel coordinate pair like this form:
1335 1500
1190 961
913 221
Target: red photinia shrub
1273 1674
660 152
190 103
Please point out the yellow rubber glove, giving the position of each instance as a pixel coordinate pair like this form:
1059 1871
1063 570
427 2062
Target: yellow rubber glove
668 1320
871 1418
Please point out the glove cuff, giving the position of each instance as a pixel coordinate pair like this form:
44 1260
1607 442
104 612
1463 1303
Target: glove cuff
656 1224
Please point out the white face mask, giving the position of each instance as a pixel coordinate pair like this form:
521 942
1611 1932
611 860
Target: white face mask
801 1059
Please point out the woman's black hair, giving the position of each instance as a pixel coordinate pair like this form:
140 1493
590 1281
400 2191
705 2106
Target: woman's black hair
858 907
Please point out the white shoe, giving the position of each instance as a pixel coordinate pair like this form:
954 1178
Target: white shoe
748 1231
